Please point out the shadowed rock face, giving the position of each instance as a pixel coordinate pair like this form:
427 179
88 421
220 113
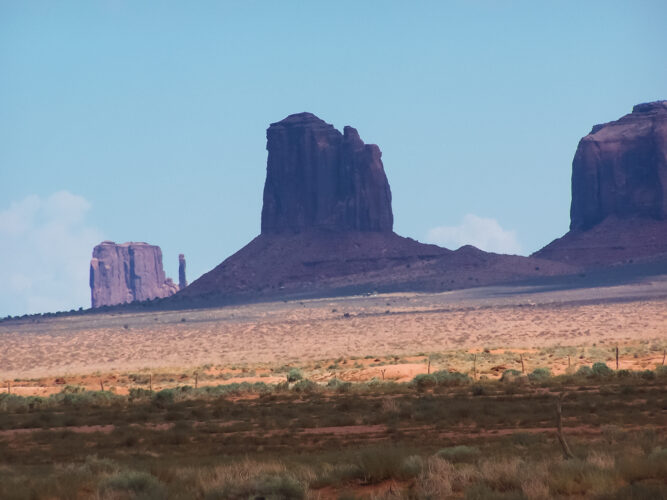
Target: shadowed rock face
327 229
619 193
318 178
620 169
128 272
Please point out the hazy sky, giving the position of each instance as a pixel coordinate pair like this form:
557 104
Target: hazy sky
145 121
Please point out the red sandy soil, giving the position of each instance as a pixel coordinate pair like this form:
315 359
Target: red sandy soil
350 338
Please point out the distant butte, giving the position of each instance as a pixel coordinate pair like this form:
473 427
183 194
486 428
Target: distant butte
327 228
127 272
619 193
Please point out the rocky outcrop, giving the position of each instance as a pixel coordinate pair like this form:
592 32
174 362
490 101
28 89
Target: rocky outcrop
620 169
312 264
318 178
182 281
619 193
128 272
327 229
613 241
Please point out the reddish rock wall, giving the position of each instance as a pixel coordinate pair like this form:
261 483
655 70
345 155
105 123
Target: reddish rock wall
128 272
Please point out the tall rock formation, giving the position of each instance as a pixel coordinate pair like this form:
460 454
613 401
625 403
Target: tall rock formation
620 169
318 178
182 281
327 229
128 272
619 192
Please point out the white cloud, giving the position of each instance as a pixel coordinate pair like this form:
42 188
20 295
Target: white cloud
484 233
45 250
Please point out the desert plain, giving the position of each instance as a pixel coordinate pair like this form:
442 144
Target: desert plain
378 396
502 325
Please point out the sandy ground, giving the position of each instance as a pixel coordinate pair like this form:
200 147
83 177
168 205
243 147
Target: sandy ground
408 327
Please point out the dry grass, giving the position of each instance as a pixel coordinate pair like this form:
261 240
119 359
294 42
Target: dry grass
601 460
371 441
374 440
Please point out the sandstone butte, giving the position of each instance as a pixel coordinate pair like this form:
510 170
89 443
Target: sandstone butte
618 213
318 178
327 228
128 272
327 220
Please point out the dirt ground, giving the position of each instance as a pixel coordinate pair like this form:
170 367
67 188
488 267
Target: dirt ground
390 336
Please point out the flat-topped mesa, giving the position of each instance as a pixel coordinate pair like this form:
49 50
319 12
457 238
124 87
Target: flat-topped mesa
318 178
620 169
128 272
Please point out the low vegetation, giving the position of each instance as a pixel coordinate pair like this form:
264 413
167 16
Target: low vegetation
442 435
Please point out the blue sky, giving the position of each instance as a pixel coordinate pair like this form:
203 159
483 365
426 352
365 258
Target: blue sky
146 121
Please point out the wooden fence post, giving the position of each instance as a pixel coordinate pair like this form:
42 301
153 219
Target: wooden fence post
102 385
196 378
150 382
567 453
429 366
523 368
616 358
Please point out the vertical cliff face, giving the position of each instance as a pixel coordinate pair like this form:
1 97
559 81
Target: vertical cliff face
620 169
128 272
327 228
619 193
318 178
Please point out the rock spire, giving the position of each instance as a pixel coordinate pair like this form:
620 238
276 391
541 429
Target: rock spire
182 281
